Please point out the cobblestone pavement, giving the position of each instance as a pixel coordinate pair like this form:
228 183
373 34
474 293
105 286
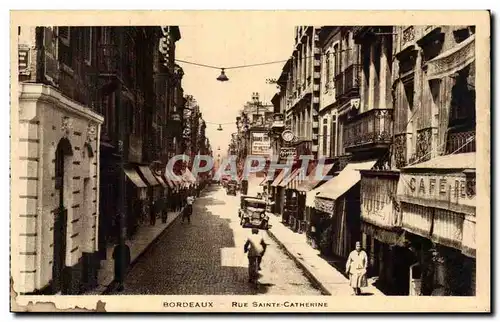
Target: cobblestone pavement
206 257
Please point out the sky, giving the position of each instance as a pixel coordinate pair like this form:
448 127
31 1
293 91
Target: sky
233 43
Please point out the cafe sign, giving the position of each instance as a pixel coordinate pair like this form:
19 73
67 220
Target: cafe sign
455 192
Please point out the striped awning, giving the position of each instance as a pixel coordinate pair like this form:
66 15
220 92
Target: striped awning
317 175
279 178
134 177
160 180
289 178
149 176
169 182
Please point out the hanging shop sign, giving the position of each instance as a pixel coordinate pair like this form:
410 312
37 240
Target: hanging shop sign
455 192
286 153
261 143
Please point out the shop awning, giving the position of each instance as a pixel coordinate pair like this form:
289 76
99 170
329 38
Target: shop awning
391 237
149 176
313 179
189 176
297 180
263 182
170 183
445 182
279 178
161 181
453 60
461 161
346 179
134 177
289 178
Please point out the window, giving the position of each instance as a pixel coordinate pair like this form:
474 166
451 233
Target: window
87 45
64 46
325 137
327 68
333 138
64 35
336 59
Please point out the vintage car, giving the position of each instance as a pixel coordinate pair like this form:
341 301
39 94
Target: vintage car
231 188
253 213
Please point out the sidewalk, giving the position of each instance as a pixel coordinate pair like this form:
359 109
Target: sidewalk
139 243
324 275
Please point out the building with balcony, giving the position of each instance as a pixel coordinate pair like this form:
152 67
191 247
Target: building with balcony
434 149
55 225
359 113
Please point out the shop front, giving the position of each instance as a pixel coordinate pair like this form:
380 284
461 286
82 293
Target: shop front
154 192
382 235
279 193
314 180
438 211
136 197
338 202
291 199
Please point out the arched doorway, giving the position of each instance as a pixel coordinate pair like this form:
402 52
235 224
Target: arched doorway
63 151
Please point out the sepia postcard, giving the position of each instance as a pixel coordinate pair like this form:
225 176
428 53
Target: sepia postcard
250 161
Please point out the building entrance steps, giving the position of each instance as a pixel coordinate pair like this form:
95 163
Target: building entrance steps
318 270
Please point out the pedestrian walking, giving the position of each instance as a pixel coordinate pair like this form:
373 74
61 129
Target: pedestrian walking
188 210
152 213
356 266
164 210
121 257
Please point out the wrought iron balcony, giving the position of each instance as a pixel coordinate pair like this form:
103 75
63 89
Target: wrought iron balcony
461 142
369 130
108 59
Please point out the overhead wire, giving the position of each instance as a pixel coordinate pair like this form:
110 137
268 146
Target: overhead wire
263 63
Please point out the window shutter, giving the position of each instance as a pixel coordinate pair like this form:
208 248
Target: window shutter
51 68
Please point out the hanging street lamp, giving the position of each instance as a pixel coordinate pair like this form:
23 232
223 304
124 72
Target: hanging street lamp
222 77
219 128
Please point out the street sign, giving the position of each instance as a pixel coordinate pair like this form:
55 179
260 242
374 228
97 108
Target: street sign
288 152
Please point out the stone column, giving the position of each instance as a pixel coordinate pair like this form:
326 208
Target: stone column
383 75
371 81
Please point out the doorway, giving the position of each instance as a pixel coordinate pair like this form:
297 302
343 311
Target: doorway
63 151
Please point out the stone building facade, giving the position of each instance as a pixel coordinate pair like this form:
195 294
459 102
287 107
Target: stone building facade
56 223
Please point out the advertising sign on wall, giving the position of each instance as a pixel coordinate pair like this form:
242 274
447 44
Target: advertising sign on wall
261 143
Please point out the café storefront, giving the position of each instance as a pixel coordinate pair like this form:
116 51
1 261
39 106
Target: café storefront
438 213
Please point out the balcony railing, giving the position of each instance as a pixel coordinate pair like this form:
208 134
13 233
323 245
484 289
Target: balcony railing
109 60
461 142
369 129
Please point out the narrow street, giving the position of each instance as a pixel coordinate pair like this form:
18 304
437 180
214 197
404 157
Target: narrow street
206 257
